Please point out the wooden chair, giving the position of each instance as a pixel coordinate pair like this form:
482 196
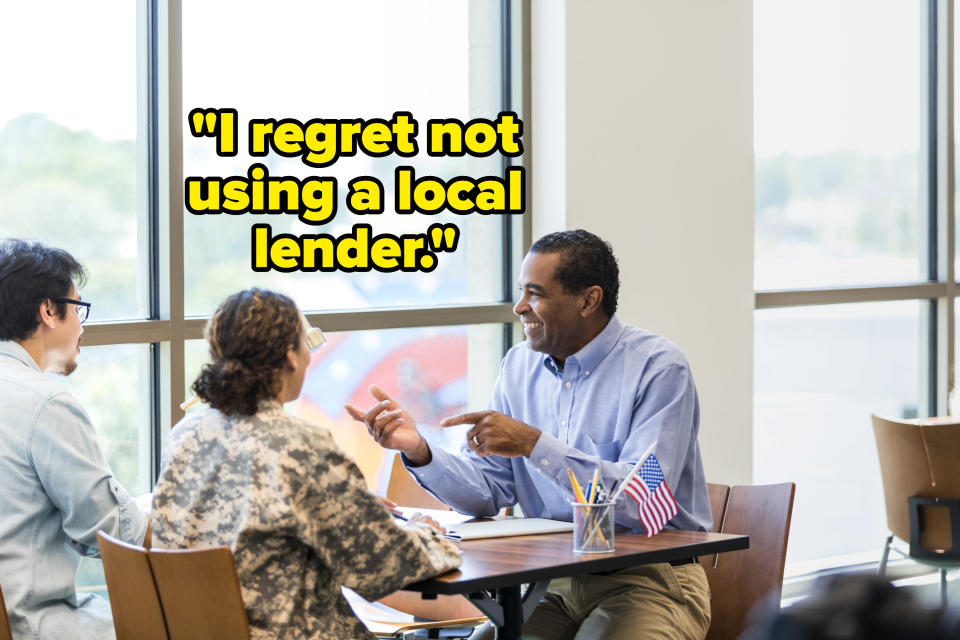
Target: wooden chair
447 611
740 579
137 614
719 494
5 633
921 488
200 594
405 491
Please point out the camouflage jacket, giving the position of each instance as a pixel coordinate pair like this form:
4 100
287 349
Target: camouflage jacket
297 514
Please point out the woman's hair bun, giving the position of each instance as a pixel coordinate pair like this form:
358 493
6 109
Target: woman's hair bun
249 335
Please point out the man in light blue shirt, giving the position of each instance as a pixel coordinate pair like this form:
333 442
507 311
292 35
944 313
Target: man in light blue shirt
584 392
57 488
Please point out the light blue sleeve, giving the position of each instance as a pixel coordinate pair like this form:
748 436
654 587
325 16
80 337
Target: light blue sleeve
468 483
665 415
75 476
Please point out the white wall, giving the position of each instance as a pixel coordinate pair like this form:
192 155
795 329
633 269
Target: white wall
643 134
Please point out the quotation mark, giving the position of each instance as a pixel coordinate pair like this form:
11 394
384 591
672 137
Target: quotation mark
216 123
443 237
203 123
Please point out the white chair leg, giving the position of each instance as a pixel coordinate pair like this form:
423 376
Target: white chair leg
886 554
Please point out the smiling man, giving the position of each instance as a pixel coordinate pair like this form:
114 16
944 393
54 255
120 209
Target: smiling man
584 392
57 488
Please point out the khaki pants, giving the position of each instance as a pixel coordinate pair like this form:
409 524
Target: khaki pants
648 601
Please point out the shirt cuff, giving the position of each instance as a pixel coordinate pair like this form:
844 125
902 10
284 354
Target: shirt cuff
549 458
133 522
430 472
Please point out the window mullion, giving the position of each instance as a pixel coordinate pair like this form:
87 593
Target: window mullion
930 367
945 210
169 155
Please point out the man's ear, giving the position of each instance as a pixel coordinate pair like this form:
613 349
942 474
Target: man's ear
592 299
47 314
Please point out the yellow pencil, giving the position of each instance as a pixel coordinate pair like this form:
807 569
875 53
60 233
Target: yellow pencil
593 485
577 491
578 494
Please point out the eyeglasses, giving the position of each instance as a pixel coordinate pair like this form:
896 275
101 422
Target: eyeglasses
314 336
83 308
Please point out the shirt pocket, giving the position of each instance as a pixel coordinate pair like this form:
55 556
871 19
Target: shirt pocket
606 450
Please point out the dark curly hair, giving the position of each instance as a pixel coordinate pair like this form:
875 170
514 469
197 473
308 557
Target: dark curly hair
31 272
249 336
587 261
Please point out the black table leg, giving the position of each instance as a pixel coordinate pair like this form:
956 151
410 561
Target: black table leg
510 609
509 599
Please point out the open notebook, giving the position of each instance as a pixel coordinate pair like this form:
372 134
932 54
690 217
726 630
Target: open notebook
504 527
500 527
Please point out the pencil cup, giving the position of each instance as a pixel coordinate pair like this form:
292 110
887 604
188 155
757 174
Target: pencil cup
592 527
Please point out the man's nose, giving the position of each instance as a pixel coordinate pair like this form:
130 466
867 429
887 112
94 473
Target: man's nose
521 307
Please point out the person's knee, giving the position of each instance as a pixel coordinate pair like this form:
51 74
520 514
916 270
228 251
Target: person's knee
603 625
654 617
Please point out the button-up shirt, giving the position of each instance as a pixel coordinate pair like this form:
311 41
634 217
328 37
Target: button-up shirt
626 390
57 492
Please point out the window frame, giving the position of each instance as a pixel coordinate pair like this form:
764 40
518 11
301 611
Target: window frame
160 165
937 254
937 251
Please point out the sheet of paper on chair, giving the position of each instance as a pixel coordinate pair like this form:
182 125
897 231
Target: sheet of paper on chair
368 611
505 527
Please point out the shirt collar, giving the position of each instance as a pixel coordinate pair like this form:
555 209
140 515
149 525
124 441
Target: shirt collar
269 405
13 350
594 351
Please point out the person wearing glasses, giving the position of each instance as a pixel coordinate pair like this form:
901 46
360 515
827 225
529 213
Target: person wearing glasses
292 506
57 489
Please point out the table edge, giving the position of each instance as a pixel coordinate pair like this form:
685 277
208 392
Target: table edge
430 586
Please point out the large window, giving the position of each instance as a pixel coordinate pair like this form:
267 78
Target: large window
69 152
94 150
837 144
435 59
853 216
434 371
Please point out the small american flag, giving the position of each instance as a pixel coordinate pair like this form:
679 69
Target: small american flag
655 502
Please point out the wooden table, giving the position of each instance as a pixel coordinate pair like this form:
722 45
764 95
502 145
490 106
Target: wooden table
503 565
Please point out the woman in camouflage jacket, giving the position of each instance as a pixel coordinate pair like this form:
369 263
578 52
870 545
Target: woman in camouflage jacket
292 506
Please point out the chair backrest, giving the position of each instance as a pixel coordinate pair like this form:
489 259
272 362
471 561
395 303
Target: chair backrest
5 633
918 460
741 579
200 594
719 493
405 491
137 614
